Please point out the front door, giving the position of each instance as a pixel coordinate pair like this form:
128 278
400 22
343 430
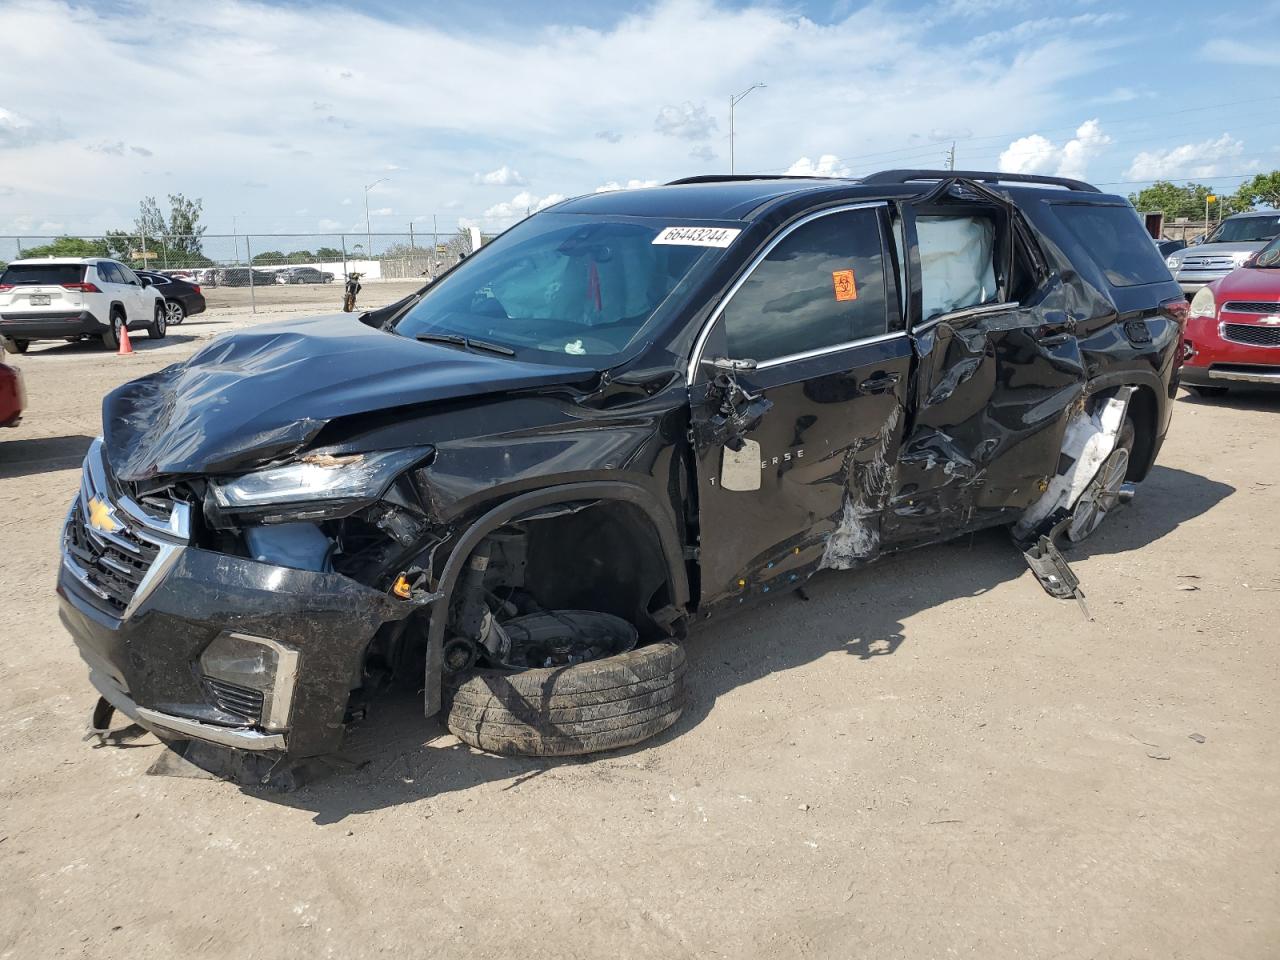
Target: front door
797 403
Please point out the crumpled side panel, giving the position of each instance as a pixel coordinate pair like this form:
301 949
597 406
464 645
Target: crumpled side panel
871 479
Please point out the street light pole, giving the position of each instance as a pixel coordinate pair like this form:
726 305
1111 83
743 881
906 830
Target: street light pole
733 102
368 230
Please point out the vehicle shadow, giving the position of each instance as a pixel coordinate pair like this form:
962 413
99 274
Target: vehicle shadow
140 342
27 457
396 757
1242 398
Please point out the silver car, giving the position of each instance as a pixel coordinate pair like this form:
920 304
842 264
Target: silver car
1235 240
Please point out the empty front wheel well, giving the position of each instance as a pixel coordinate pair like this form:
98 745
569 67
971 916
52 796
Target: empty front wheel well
1143 411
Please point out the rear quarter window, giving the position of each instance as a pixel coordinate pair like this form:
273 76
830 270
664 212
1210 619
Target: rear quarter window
41 274
1116 241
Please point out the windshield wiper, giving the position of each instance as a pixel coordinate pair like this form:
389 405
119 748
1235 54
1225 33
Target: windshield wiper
465 342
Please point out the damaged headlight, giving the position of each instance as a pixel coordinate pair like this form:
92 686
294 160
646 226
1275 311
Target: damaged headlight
1202 304
361 476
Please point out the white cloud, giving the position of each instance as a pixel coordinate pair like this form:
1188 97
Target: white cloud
1191 160
702 152
520 205
613 185
687 121
346 201
1240 53
380 212
1037 154
827 165
504 176
328 224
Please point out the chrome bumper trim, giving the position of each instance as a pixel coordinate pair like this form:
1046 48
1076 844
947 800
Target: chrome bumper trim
1243 377
239 738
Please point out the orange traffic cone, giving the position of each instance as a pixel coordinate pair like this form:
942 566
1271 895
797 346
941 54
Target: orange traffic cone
126 348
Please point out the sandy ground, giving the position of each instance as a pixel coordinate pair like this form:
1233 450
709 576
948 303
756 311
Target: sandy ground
928 759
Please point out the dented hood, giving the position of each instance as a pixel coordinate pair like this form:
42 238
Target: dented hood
252 397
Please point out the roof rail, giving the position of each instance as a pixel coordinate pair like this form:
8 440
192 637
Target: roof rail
985 176
738 177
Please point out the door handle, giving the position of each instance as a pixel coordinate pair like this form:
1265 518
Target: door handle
878 383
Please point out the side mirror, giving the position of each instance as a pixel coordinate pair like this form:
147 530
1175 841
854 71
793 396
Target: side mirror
725 365
145 281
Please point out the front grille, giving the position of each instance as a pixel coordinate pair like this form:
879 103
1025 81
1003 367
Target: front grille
1253 335
1208 263
239 701
112 563
1251 306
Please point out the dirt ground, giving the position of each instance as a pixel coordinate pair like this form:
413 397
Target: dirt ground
927 759
323 297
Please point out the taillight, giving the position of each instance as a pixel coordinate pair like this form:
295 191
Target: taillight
5 286
197 286
1178 310
85 287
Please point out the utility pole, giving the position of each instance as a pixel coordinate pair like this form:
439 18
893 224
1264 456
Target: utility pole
435 245
733 102
951 156
368 230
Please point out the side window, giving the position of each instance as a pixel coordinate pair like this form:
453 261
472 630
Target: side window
109 272
822 285
957 263
126 275
1117 242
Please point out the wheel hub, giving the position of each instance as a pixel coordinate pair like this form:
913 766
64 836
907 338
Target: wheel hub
1100 497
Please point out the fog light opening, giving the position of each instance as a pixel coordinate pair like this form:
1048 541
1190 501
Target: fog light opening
255 663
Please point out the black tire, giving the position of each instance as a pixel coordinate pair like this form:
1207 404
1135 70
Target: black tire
16 346
1200 391
562 711
111 336
158 326
174 312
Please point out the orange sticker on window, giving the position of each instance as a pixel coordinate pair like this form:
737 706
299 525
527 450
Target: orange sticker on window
846 286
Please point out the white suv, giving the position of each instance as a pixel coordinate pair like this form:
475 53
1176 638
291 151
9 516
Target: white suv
66 298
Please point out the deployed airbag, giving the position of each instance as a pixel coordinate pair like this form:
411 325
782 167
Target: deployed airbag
957 257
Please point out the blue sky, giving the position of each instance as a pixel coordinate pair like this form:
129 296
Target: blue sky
278 115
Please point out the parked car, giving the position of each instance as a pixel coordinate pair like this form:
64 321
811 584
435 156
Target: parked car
1233 334
516 488
1232 242
13 398
239 277
67 298
1167 247
182 298
303 275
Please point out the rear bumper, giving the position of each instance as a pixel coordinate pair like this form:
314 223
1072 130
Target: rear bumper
49 324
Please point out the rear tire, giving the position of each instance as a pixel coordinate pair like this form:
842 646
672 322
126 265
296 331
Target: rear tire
562 711
1102 495
111 336
1200 391
16 346
174 312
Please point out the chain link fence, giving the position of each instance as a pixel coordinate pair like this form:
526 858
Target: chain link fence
252 259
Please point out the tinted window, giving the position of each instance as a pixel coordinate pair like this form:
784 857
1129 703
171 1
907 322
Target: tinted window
109 272
822 285
1117 241
29 274
126 275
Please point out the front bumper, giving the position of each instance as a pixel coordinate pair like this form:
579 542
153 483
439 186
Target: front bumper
49 325
143 643
1219 362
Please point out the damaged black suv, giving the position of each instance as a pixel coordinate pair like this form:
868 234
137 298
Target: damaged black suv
516 487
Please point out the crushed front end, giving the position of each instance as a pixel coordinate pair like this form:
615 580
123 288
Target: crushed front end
200 623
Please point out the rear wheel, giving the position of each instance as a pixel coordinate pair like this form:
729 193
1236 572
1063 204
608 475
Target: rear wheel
174 312
16 346
1102 495
159 325
111 336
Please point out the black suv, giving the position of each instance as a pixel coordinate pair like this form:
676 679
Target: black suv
517 486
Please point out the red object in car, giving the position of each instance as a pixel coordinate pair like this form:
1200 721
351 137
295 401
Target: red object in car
1233 334
12 397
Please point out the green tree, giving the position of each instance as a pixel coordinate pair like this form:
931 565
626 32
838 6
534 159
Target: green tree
328 253
268 258
1185 200
1262 190
69 247
176 239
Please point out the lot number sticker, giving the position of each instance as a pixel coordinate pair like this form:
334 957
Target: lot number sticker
697 236
846 286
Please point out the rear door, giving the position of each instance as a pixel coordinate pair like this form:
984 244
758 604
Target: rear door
998 366
140 304
797 395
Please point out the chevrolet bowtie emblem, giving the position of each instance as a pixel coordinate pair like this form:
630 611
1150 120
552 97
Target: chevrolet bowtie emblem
100 516
1271 321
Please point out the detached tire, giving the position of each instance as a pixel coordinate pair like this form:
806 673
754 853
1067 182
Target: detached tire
562 711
